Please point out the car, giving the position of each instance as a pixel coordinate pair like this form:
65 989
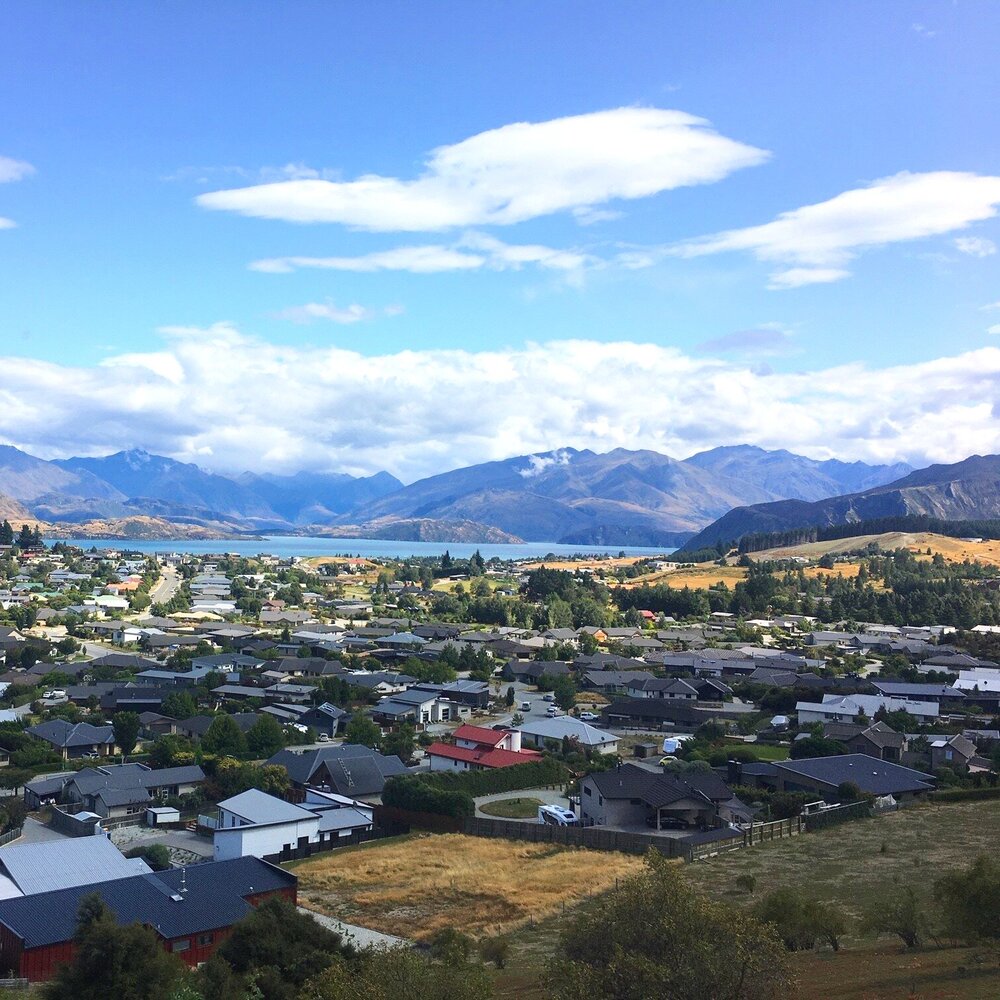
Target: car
549 697
668 823
525 706
55 693
666 760
554 710
323 738
589 716
556 816
91 755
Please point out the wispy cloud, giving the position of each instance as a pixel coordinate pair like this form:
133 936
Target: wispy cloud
763 341
346 315
819 240
470 253
511 174
14 170
975 246
251 404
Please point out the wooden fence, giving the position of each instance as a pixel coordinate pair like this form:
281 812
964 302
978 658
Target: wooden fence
10 835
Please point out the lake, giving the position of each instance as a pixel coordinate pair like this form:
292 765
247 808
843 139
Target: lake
284 546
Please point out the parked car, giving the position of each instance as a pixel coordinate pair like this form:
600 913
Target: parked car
323 738
589 716
554 710
668 823
525 706
549 697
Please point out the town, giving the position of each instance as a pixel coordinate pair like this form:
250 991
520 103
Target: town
446 755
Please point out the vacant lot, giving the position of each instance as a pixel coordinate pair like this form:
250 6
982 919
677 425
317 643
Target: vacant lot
416 886
696 577
856 863
846 865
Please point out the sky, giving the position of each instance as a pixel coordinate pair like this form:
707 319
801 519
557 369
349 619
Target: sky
353 237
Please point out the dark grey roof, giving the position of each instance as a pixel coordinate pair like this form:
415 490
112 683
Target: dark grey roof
878 777
353 769
61 733
214 897
657 790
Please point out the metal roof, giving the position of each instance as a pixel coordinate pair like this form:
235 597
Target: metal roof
61 864
259 808
213 897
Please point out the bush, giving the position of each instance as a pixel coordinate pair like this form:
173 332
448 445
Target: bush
155 855
547 771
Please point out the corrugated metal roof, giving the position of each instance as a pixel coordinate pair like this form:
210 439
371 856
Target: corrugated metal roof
61 864
258 807
213 897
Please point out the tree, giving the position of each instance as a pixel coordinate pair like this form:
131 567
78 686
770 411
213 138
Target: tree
281 948
657 937
800 921
180 705
265 737
495 950
401 974
155 855
126 726
110 960
361 730
565 691
968 901
900 913
224 738
400 742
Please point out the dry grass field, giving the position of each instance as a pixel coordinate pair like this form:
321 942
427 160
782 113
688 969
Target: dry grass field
416 886
953 549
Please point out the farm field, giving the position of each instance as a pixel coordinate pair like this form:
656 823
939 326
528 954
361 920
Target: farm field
415 886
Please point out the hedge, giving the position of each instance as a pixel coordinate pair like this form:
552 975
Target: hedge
407 791
548 771
964 794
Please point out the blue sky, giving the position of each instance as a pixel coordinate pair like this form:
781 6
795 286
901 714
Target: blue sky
177 167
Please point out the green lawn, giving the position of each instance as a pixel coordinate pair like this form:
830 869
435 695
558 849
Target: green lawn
519 808
767 751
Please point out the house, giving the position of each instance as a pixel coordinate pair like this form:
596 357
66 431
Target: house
823 776
653 713
259 825
630 797
669 688
955 752
419 708
847 708
479 749
536 732
352 770
877 740
473 693
192 911
951 699
614 681
75 739
153 725
326 718
124 790
196 727
531 671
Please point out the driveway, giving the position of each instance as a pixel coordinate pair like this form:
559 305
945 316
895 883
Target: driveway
34 832
550 796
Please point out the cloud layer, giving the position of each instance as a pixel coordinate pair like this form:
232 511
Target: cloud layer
511 174
230 402
816 241
12 170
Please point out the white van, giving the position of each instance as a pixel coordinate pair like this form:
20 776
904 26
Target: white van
525 706
556 816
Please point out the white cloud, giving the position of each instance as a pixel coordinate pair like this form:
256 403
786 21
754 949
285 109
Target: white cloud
14 170
975 246
346 315
470 253
796 277
994 330
537 464
252 404
990 305
512 173
820 239
7 223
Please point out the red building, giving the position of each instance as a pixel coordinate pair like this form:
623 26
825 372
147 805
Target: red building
192 910
476 749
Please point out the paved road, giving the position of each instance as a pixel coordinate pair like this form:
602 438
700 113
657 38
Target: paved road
360 937
165 588
34 832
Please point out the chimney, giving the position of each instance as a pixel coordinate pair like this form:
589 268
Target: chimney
515 740
734 772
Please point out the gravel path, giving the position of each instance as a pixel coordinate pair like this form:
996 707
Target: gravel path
360 937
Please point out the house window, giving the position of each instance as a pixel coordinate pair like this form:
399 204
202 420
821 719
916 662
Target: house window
587 791
181 945
204 939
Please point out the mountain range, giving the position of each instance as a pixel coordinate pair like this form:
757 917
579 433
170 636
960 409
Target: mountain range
967 490
566 496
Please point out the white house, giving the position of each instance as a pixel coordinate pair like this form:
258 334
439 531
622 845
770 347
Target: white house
476 749
536 732
257 824
846 708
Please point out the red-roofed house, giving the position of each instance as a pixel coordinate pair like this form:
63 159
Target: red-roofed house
476 748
